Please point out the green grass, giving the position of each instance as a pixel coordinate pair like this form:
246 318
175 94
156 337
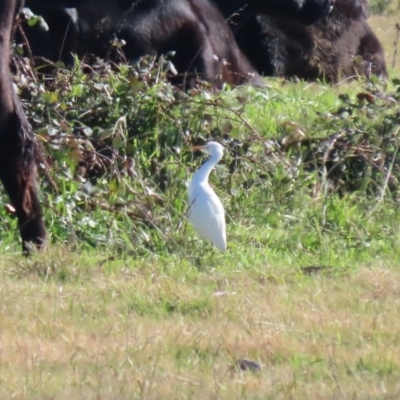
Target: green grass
128 303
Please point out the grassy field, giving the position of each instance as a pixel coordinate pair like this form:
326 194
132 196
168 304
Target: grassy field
92 327
128 303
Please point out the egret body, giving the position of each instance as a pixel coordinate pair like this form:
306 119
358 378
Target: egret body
206 212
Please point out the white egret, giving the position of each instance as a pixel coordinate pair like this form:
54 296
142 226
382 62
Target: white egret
206 212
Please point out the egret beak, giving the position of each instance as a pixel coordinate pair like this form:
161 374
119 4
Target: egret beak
194 148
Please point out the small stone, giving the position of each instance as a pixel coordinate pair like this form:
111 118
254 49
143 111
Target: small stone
248 365
314 269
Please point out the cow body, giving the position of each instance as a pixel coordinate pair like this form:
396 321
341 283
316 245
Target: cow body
17 144
194 30
305 11
338 46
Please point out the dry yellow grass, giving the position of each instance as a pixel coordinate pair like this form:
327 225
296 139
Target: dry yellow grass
155 332
385 28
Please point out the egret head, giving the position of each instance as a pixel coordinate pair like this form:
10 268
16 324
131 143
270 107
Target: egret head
213 149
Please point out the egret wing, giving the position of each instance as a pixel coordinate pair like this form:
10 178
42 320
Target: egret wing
207 215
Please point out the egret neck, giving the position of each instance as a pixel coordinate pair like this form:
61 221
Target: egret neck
201 176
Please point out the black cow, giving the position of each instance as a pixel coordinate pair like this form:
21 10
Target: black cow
338 46
18 148
194 30
17 144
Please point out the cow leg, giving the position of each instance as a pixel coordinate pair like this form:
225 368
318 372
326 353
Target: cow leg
371 50
18 175
17 144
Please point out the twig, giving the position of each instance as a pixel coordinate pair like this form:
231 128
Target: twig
388 175
395 44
